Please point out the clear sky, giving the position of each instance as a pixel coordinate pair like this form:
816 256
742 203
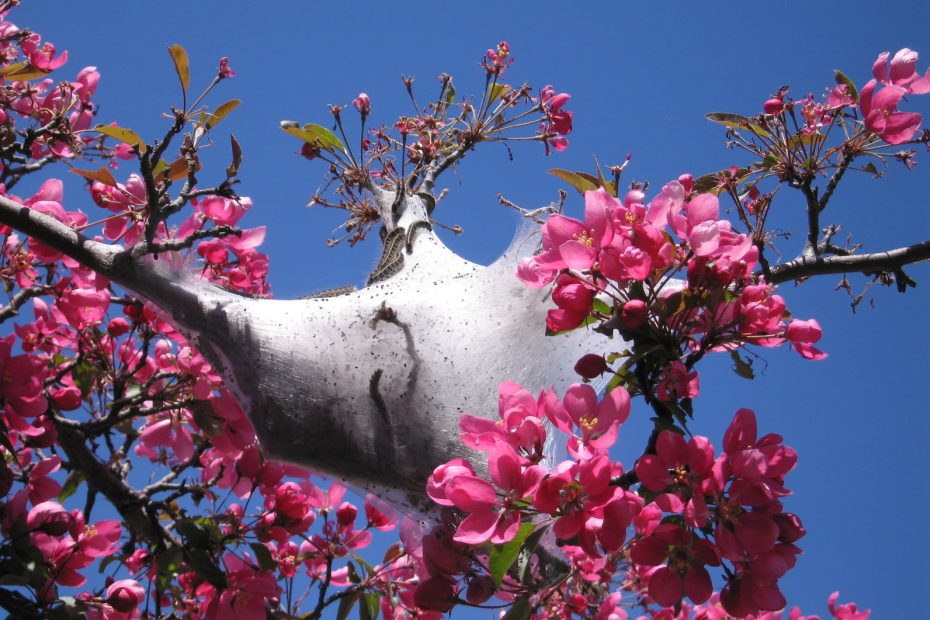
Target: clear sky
641 75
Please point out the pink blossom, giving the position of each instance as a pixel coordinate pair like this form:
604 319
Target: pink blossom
680 557
882 117
520 424
682 466
83 307
903 72
21 381
247 592
845 611
380 514
490 518
678 382
597 422
802 335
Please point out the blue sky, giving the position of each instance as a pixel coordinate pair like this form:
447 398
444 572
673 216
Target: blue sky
642 77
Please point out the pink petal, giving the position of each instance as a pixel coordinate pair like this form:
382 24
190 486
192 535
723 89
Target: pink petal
577 255
880 67
471 493
477 528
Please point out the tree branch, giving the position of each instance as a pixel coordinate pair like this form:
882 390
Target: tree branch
890 260
132 505
12 308
97 256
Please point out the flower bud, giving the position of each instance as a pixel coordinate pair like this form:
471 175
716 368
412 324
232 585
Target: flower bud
224 71
479 590
117 326
591 365
125 595
49 517
68 398
773 106
362 103
634 313
435 594
687 182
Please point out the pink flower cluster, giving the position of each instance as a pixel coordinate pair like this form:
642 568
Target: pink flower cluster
31 100
693 510
625 252
878 100
880 107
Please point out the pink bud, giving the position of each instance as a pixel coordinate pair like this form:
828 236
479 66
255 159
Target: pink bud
362 103
125 595
790 528
310 151
479 590
68 398
803 331
224 71
687 182
773 106
345 514
435 594
591 365
49 517
633 314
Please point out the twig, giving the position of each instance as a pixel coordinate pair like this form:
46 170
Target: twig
889 261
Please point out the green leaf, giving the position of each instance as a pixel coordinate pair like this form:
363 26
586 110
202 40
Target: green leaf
233 167
736 121
768 161
503 556
132 390
841 78
802 139
315 135
525 557
101 175
71 485
200 533
519 611
181 65
202 562
346 604
575 179
221 111
123 134
5 439
159 168
353 574
263 556
178 169
169 564
601 307
84 375
22 71
497 91
710 183
871 169
369 608
742 367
